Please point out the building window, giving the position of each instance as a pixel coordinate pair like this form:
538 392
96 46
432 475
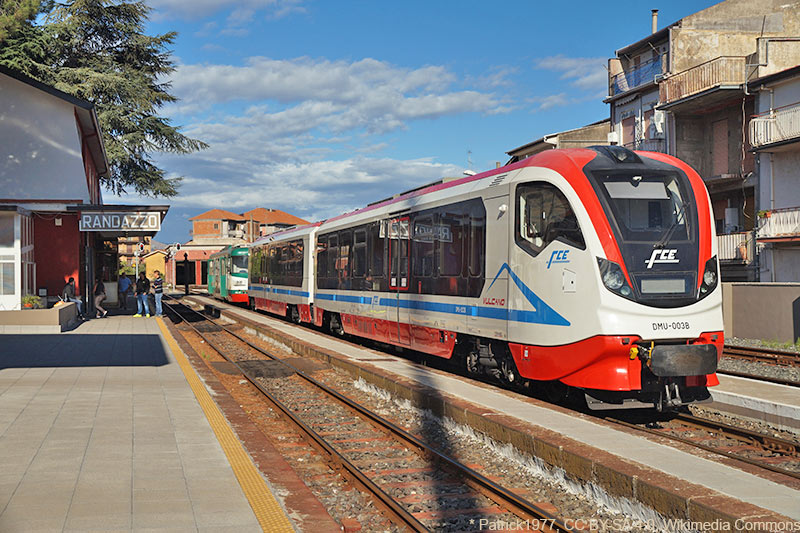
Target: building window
7 280
7 231
216 225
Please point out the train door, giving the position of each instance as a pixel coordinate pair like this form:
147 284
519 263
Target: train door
399 274
223 276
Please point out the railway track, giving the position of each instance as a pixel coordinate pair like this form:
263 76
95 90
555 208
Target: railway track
416 486
772 361
762 355
764 451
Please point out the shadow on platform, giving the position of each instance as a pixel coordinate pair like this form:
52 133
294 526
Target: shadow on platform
76 350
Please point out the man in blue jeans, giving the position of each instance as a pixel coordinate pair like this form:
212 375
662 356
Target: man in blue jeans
158 291
142 290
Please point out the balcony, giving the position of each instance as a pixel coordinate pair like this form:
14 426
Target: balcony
636 77
779 225
722 72
736 247
648 145
778 125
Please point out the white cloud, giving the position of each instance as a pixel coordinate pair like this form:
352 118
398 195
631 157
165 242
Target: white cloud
170 9
588 73
551 101
312 190
292 97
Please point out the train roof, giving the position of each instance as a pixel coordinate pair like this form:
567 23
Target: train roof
575 158
299 230
233 249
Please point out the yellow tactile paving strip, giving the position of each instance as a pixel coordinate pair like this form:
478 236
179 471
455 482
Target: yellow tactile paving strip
268 512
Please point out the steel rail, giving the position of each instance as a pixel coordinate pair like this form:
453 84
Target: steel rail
766 355
740 434
394 511
757 377
501 496
777 444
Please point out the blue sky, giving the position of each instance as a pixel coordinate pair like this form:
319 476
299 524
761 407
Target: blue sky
319 107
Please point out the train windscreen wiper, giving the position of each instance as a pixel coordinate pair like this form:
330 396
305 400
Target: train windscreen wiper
664 240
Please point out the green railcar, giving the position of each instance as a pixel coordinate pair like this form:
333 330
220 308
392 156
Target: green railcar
227 274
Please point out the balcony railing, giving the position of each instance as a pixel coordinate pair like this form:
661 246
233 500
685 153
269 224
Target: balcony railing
648 145
779 223
632 78
736 247
782 124
725 70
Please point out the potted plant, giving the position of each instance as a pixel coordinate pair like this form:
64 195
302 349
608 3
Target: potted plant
31 301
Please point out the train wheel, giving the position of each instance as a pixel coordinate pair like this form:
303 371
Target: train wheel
295 314
511 375
335 325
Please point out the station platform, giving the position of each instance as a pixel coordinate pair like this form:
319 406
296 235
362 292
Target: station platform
777 404
105 428
494 403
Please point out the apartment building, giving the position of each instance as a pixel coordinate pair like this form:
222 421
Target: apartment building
774 134
589 135
685 90
214 230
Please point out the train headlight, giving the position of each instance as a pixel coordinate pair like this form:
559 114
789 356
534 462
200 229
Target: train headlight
613 278
710 277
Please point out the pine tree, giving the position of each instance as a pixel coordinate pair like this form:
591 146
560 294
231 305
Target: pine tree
14 14
97 50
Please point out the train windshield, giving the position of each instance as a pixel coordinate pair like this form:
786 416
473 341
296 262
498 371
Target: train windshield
239 264
647 207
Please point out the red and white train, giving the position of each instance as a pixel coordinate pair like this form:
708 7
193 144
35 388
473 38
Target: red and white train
587 269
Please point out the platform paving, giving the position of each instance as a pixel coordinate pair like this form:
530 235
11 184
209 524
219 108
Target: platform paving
770 402
99 431
713 475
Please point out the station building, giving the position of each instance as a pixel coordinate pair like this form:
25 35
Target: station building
54 223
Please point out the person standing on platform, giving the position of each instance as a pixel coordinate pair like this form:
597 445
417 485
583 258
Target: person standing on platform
158 291
124 288
99 296
68 295
142 290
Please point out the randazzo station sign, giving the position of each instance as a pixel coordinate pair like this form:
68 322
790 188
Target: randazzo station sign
128 221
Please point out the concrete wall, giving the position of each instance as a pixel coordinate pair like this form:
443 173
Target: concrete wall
587 136
731 28
694 139
41 147
53 320
58 252
766 311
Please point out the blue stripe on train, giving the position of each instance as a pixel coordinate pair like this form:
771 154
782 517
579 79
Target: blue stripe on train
273 290
541 313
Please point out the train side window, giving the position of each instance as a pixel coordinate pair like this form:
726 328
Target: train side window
377 254
543 215
333 256
449 239
299 263
477 240
343 264
359 253
322 262
422 247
